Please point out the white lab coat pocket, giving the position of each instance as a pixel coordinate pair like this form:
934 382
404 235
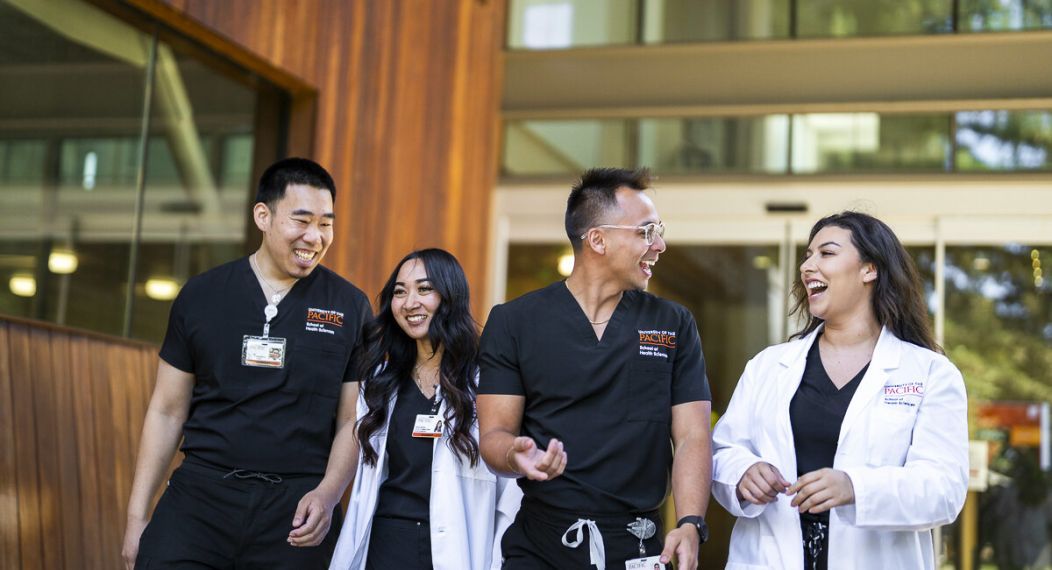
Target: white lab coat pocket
890 435
753 546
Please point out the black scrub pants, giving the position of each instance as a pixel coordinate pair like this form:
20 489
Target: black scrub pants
534 540
208 519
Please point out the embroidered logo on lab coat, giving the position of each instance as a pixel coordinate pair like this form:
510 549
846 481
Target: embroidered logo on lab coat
907 394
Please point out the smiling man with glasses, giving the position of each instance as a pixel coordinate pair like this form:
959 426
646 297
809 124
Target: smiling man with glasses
586 385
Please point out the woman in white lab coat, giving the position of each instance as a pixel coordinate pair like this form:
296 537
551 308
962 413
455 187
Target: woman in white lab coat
845 446
422 497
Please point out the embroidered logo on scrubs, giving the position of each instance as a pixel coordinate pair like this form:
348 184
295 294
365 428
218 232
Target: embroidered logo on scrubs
321 320
906 394
656 343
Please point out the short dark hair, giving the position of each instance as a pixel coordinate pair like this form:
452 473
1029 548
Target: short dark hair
898 296
277 177
595 194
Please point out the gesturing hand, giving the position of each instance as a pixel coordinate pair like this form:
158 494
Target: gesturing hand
821 490
761 484
532 462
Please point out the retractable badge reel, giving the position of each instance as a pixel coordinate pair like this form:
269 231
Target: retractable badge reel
264 351
643 529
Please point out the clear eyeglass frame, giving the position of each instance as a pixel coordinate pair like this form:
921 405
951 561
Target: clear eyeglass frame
650 231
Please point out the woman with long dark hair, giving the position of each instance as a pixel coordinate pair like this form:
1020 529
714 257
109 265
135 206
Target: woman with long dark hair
422 498
846 445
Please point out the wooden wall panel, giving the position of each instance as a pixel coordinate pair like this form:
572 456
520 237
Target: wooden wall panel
407 114
10 548
71 408
30 535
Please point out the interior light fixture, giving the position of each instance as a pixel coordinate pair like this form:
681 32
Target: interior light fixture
761 262
161 288
91 166
23 285
565 266
62 261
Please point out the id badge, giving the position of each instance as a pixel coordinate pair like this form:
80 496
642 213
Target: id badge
427 425
648 563
263 351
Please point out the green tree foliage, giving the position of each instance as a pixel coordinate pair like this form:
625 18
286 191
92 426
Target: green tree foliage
999 322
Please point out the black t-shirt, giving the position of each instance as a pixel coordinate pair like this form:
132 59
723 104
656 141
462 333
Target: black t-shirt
406 494
273 420
609 402
816 413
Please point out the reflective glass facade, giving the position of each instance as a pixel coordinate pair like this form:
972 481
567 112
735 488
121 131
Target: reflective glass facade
126 166
811 143
562 24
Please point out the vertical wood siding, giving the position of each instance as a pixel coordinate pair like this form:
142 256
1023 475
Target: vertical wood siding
71 411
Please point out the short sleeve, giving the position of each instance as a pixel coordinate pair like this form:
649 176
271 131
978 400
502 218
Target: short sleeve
690 383
498 358
364 314
176 349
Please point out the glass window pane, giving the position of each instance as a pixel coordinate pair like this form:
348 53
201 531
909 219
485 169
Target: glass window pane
1004 140
70 111
564 147
844 142
667 21
715 144
560 24
197 182
837 18
70 122
1004 15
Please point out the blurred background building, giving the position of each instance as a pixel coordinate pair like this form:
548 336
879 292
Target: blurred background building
132 131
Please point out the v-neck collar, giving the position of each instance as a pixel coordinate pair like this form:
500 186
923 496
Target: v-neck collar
581 322
826 380
260 298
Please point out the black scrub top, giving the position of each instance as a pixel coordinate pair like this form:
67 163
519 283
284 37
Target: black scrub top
816 413
608 401
263 419
406 493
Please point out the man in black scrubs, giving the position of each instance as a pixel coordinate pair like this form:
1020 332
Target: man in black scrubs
254 379
585 387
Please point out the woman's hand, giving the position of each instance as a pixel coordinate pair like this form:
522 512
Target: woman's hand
819 491
761 484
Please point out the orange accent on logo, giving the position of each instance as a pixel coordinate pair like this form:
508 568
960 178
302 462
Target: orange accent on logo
325 317
658 339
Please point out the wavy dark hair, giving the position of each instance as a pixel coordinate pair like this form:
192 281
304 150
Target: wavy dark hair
898 299
387 355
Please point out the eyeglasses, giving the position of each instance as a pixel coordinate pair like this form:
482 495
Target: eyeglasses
649 231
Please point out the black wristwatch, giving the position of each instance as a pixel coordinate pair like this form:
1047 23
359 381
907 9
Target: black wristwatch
699 523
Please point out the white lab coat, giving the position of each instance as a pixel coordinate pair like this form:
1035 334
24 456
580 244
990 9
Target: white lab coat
470 506
903 442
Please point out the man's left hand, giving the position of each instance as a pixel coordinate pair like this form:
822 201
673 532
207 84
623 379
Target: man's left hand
682 542
821 490
313 519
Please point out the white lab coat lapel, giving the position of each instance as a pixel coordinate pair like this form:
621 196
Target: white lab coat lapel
885 358
792 362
